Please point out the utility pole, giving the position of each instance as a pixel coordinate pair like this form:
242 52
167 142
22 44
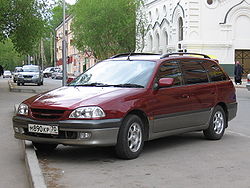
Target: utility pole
64 81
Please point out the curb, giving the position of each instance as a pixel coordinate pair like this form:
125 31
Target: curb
35 176
12 88
34 173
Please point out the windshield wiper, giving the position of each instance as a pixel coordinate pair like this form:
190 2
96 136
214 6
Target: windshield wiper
91 84
129 85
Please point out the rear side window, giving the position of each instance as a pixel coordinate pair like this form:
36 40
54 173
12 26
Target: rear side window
214 71
193 72
170 69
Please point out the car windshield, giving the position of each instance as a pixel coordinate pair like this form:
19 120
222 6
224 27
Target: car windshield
30 69
7 72
117 74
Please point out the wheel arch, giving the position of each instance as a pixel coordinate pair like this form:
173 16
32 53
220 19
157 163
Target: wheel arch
225 108
142 115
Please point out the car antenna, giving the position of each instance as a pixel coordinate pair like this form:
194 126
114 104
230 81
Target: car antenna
129 55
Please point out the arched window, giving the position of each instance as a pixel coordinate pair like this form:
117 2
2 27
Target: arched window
180 29
166 38
165 10
157 42
150 43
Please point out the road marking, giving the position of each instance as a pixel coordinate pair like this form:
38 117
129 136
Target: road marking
240 134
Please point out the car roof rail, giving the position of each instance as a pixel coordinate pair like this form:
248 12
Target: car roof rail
184 53
131 54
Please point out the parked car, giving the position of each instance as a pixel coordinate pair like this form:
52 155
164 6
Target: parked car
30 74
49 71
57 74
248 82
129 99
16 72
7 74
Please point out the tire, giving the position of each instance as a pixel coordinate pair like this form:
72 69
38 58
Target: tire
44 147
14 81
130 139
218 123
23 84
38 83
42 83
18 83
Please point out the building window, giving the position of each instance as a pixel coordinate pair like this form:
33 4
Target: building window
157 14
165 10
180 28
150 16
157 42
210 2
166 38
150 43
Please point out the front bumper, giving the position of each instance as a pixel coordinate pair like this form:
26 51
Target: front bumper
248 86
28 80
102 132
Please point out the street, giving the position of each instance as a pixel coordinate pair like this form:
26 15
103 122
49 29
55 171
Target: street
186 160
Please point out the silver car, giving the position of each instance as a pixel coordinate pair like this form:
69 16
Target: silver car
30 74
248 82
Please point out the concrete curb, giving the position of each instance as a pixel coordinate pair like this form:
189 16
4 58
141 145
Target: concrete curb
35 176
34 173
12 88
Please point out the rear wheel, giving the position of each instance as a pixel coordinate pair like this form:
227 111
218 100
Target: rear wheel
18 83
217 125
44 147
130 138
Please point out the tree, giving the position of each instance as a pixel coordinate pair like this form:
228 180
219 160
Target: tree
24 22
105 28
9 58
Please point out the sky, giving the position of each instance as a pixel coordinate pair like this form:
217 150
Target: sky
71 1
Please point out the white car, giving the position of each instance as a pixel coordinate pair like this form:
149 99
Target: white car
7 74
248 82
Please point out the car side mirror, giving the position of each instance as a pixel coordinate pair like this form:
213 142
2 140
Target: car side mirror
165 82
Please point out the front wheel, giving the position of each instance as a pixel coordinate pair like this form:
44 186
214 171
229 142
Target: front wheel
217 124
130 139
44 147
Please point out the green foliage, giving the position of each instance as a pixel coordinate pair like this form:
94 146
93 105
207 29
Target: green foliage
9 58
23 21
104 26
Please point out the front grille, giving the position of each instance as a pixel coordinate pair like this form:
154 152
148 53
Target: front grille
61 135
47 114
27 76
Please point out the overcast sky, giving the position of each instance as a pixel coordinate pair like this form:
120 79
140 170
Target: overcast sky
71 1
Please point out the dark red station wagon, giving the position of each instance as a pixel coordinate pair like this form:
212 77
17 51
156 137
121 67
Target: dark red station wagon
129 99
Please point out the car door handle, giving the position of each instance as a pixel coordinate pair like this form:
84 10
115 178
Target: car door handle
185 96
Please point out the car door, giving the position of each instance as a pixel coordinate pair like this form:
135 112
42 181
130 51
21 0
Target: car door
202 92
170 105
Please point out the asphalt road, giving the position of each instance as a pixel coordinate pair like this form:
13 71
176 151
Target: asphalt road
186 160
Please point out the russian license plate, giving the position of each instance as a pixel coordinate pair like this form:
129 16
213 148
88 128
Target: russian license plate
44 129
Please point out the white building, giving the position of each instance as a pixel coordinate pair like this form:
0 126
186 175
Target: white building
220 28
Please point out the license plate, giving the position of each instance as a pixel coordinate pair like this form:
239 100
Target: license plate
44 129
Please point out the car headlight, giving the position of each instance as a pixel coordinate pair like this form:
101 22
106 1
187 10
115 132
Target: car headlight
87 112
23 109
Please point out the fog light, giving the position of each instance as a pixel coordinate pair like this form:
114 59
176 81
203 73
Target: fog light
21 130
84 135
16 129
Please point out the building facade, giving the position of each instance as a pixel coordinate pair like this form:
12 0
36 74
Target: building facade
220 28
77 61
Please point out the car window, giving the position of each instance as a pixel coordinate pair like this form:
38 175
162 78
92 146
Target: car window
193 72
170 69
30 69
214 71
117 73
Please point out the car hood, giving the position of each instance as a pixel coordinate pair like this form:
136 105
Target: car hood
72 97
28 73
